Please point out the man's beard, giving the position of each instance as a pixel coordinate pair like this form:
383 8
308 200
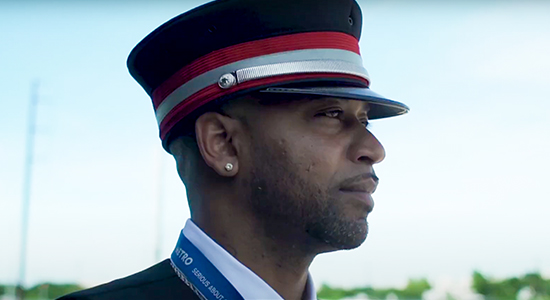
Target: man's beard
282 199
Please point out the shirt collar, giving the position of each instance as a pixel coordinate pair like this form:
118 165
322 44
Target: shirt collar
246 282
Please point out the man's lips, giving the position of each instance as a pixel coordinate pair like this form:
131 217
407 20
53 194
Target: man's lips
366 183
362 189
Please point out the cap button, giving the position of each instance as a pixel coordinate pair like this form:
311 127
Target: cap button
227 80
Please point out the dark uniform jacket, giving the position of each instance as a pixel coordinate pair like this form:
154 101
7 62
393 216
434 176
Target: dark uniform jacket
159 282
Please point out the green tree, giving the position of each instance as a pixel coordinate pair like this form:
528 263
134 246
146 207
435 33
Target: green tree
414 289
329 293
491 289
379 293
51 291
507 289
539 285
480 284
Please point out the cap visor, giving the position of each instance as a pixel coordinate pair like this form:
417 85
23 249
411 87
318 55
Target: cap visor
380 107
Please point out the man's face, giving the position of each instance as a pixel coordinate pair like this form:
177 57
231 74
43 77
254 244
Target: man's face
310 168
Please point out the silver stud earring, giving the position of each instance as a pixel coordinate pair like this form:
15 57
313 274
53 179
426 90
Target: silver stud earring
229 167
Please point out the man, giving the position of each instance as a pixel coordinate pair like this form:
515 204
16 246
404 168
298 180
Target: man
264 105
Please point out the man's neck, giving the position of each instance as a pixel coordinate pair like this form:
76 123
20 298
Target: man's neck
281 263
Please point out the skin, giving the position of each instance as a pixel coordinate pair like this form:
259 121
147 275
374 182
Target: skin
301 183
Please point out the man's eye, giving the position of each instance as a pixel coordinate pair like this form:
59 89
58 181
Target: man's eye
331 114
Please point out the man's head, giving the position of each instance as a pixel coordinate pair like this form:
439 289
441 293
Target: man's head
277 89
302 164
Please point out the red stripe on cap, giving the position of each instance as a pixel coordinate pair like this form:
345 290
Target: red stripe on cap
214 92
222 57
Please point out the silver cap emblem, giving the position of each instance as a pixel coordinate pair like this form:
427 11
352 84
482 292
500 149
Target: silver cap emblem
227 81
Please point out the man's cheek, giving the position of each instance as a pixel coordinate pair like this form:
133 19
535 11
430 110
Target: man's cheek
314 165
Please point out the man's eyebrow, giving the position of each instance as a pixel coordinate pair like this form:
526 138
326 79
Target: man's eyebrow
329 101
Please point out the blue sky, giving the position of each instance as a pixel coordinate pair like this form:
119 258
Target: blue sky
463 187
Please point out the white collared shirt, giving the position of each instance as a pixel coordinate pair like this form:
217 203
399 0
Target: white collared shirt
246 282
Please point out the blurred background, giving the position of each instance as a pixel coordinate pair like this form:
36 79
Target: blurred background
462 206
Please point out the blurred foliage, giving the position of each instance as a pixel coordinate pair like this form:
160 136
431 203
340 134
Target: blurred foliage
45 290
507 289
491 289
414 290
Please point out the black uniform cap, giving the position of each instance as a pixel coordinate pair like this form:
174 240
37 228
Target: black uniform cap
230 47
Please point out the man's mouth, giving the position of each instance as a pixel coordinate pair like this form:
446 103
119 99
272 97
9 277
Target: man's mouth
362 189
365 184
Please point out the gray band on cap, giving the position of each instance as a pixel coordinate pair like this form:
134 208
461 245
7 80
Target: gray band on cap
283 63
297 67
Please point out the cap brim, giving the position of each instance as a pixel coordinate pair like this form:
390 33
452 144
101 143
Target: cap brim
380 107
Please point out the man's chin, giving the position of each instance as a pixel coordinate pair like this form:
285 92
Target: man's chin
352 243
349 238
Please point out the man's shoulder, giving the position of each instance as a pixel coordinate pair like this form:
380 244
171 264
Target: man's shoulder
157 282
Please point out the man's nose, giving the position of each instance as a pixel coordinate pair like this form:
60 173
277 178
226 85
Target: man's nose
366 148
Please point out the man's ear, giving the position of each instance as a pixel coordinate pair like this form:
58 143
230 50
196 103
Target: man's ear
215 133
